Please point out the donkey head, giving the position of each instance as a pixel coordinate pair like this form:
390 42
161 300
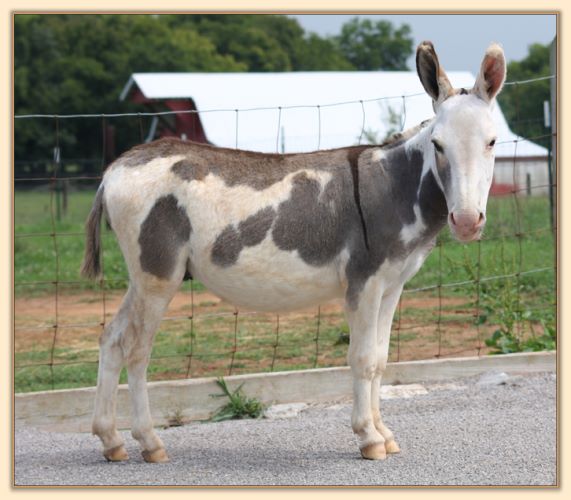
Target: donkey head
463 137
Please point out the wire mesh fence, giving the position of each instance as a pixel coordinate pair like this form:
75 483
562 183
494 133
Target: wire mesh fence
495 295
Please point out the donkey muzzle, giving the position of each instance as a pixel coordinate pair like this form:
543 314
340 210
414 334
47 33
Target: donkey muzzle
466 225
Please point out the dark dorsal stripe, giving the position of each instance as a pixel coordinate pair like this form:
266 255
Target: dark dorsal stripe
353 157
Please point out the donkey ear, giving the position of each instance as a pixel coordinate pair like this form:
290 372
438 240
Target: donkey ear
431 74
492 74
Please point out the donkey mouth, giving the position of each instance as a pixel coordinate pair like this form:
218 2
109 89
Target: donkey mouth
466 236
466 225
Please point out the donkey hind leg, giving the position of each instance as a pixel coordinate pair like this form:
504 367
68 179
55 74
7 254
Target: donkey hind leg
389 303
111 361
362 358
128 340
149 306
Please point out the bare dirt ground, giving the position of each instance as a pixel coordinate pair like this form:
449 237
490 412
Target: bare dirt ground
428 327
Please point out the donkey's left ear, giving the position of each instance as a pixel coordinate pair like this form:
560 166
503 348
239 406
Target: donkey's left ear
431 74
492 74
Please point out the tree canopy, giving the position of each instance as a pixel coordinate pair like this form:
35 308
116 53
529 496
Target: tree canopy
369 45
522 104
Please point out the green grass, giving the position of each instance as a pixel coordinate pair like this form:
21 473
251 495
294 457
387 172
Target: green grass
500 252
40 259
45 378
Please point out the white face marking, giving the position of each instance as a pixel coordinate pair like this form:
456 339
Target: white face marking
462 135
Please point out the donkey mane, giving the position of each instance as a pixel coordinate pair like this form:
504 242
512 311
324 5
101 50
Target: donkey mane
398 138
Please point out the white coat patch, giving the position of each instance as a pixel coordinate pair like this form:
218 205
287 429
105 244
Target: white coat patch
411 231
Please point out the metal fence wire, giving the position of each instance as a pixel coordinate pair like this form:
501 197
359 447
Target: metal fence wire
495 295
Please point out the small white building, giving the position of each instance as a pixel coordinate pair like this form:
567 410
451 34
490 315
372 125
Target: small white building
305 111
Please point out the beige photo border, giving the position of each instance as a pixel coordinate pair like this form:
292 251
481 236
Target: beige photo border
274 6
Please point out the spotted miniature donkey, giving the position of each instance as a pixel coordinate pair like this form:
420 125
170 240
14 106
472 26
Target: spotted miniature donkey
282 232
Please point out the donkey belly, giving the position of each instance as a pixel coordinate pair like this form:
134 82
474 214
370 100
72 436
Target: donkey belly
265 278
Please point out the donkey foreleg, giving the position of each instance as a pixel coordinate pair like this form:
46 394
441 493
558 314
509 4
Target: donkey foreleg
389 304
362 358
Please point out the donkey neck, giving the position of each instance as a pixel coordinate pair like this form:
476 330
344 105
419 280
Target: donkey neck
431 197
414 187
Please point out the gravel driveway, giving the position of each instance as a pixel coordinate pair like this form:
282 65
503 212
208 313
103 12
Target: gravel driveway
489 430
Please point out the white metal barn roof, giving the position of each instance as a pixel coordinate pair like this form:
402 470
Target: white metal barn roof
346 100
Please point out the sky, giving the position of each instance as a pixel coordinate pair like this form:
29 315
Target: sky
460 40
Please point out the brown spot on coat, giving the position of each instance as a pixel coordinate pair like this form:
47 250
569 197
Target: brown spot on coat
253 230
250 232
315 223
165 230
227 247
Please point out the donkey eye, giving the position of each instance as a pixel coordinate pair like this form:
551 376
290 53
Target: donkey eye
438 146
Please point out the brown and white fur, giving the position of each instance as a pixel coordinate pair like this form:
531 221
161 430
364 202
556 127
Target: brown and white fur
281 232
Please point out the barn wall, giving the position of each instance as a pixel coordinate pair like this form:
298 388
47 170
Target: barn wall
509 175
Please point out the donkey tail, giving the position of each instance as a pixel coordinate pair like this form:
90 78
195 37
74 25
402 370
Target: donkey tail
91 266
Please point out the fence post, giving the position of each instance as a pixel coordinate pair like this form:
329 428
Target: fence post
56 182
553 157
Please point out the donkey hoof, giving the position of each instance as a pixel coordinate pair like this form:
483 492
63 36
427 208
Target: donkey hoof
392 446
375 451
117 454
156 456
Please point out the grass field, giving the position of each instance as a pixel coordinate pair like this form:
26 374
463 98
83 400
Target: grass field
451 319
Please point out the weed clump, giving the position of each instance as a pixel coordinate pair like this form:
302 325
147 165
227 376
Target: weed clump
239 405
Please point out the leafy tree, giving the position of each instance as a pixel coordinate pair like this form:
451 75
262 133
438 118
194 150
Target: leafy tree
370 45
522 104
320 54
267 42
245 38
67 64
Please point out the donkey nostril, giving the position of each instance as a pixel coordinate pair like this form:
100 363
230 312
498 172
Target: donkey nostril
466 220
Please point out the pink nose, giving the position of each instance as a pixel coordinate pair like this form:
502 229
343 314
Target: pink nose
467 222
